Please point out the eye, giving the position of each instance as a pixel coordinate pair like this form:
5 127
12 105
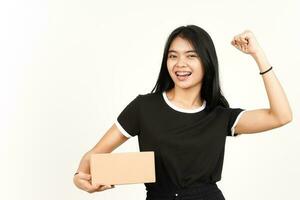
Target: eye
193 56
172 56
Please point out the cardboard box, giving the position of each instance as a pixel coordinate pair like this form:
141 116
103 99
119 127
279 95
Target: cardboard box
122 168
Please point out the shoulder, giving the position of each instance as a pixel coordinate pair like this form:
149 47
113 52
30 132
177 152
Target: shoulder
222 111
219 109
149 100
229 113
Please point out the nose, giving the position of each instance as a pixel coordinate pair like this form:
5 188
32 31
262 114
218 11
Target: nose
181 62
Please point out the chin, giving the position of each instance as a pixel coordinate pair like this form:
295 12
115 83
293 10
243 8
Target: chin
184 85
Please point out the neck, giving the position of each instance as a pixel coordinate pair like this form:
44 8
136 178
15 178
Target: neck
186 97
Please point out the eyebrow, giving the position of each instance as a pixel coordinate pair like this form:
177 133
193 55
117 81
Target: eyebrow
190 51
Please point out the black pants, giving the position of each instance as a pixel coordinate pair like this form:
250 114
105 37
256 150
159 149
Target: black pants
202 192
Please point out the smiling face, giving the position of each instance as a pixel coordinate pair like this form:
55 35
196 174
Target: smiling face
182 61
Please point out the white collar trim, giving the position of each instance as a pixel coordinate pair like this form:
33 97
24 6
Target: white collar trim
183 109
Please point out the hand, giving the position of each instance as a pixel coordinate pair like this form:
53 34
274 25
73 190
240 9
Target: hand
83 181
247 43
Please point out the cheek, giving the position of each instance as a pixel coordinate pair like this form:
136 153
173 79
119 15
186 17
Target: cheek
170 63
198 75
170 66
170 70
198 70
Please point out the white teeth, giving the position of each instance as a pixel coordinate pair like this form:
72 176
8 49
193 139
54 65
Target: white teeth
183 73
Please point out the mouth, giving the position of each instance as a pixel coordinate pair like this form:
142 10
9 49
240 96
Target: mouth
183 73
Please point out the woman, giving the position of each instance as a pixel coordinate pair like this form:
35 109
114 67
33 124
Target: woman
186 119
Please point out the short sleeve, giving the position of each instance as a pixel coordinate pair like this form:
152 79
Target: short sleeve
128 121
233 117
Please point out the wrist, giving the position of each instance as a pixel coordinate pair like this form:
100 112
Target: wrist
262 61
258 54
261 73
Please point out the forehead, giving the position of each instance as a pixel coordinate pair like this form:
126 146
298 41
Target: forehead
181 45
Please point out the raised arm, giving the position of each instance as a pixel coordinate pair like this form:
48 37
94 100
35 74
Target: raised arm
279 113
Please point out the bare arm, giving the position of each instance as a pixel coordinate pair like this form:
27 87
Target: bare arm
110 141
280 112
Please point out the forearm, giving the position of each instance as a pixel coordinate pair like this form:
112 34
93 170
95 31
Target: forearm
279 105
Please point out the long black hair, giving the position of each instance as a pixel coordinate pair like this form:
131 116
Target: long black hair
204 47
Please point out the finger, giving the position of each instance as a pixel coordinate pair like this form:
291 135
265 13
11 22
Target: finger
235 43
88 186
236 46
102 188
235 39
96 185
239 39
244 40
105 187
244 48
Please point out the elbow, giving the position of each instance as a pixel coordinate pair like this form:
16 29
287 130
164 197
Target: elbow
283 118
286 120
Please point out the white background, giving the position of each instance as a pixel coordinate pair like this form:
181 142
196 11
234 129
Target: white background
69 67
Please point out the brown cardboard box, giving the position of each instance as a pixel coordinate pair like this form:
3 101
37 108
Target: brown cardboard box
122 168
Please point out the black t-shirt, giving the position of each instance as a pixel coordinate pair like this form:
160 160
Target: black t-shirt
188 144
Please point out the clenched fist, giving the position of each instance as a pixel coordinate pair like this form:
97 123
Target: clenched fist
246 42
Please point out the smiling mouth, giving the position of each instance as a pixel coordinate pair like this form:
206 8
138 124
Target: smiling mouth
185 74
